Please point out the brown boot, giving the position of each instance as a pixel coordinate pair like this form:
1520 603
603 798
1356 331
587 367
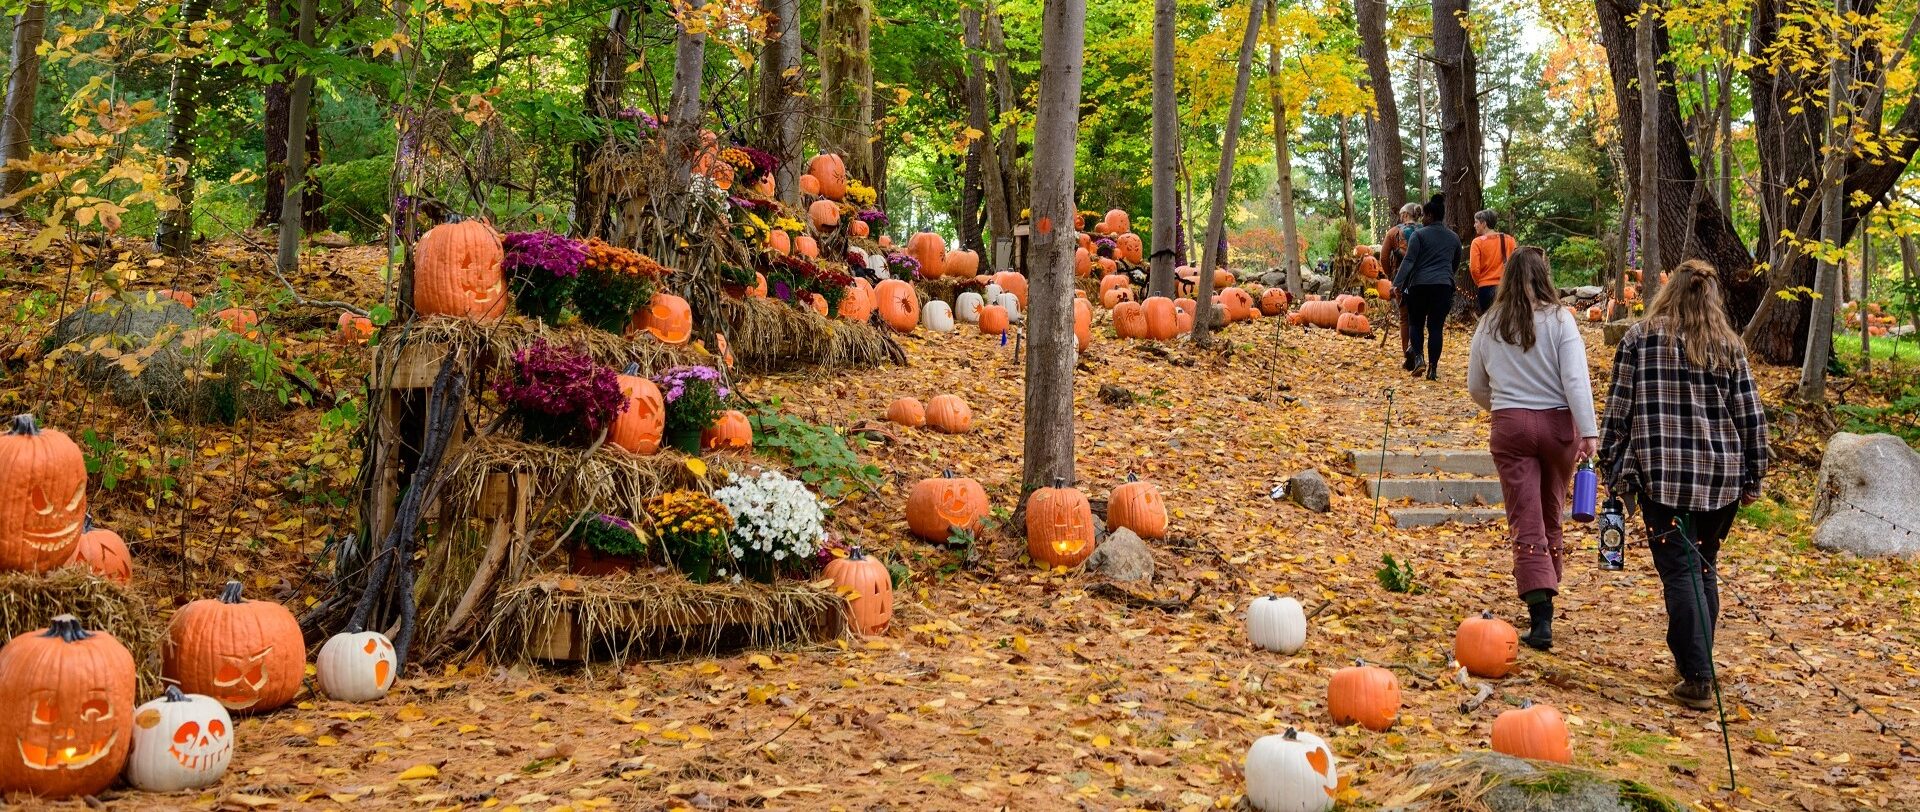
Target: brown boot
1696 695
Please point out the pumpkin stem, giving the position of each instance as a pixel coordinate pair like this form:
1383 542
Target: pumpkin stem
1526 703
86 522
173 694
1486 614
854 553
947 474
1131 477
231 593
23 424
68 629
1291 735
633 368
1059 482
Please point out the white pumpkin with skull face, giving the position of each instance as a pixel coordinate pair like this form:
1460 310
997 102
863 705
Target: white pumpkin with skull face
180 741
356 666
1291 772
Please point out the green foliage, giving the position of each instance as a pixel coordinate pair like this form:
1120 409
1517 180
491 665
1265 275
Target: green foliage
1900 417
609 536
819 455
1577 261
356 195
1396 575
104 458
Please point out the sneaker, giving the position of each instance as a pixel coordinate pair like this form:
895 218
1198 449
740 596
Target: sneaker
1695 695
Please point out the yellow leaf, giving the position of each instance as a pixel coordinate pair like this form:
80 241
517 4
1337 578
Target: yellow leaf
697 466
419 772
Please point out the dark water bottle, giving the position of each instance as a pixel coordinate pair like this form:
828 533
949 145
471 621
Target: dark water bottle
1586 492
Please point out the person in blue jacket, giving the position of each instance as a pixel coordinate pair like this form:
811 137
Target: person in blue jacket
1425 283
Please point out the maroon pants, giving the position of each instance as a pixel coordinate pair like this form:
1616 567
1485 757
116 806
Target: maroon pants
1533 450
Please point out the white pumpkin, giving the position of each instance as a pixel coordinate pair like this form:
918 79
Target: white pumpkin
937 316
1291 772
180 741
878 265
966 307
991 294
1012 304
356 666
1277 624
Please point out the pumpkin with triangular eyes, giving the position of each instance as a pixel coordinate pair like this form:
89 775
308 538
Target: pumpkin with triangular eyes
1059 526
357 666
66 710
1291 772
456 272
248 654
180 741
639 426
43 496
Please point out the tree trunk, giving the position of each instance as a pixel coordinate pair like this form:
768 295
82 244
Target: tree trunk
1420 84
846 82
782 94
1910 265
1015 183
274 177
1867 267
1217 218
173 234
684 115
23 85
879 179
1826 286
288 260
1283 161
1048 440
1166 152
1383 134
999 222
1346 169
1459 120
1649 179
605 94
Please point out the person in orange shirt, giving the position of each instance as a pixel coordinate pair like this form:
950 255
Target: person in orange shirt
1488 256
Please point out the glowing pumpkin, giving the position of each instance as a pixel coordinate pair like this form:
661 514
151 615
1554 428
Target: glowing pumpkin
68 715
1059 526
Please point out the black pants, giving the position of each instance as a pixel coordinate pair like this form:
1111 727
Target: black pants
1427 309
1485 297
1688 580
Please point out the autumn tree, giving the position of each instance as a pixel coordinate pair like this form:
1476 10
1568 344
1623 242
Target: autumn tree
1166 151
1217 214
1383 123
23 85
846 83
782 91
1048 436
1456 80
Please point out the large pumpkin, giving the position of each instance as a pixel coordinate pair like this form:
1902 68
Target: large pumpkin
67 715
1532 731
43 496
831 172
1369 268
963 264
907 412
1013 282
1273 301
180 741
1162 318
730 429
1059 526
1107 266
104 552
937 316
1223 279
872 588
1117 221
949 414
668 318
1486 645
1291 772
931 252
456 272
857 304
1129 248
1082 324
1383 287
993 320
1114 280
1320 314
1349 303
639 427
1129 318
966 306
899 304
250 655
1137 506
1366 694
938 505
1114 296
807 246
809 184
1277 624
1238 304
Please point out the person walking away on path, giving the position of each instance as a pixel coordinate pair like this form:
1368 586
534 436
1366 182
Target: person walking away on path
1393 248
1425 283
1528 365
1685 434
1487 257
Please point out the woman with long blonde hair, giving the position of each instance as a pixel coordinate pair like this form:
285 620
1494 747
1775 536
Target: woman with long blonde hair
1685 434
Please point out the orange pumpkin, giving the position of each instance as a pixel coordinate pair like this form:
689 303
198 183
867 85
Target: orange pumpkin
899 304
1361 251
1014 283
1162 318
857 304
818 303
939 505
1113 298
831 173
242 321
668 318
1384 287
1187 306
1631 294
640 425
759 289
1273 301
993 320
807 246
43 497
809 184
825 215
1367 694
1082 263
1137 506
1350 304
765 186
962 264
1238 304
104 552
859 228
456 272
250 655
1369 268
1595 314
931 252
354 329
1320 314
907 412
1183 322
1082 323
1129 248
1129 318
886 242
1059 526
779 242
1350 324
1486 646
949 414
1532 731
730 429
1113 280
871 588
69 716
1117 221
1107 266
1223 279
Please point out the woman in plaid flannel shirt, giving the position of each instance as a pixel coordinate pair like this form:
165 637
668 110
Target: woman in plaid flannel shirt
1685 433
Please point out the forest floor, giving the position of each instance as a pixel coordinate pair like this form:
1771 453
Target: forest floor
1001 685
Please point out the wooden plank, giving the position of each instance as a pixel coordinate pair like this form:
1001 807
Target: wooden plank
561 641
416 367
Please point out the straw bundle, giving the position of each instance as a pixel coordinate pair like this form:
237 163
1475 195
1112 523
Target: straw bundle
656 615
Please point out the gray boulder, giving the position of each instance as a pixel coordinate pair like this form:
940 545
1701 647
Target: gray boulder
1868 498
1122 557
1317 283
1274 279
1498 783
1309 490
159 353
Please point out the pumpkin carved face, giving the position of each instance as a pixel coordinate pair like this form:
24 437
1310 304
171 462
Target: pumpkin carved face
730 429
1137 505
357 666
639 427
869 587
938 505
43 497
1486 645
457 271
949 414
1059 526
66 731
247 654
104 552
180 741
668 318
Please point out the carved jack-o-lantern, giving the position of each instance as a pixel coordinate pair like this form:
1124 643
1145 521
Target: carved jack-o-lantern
43 496
68 712
456 271
247 654
638 428
180 741
357 666
938 505
1059 526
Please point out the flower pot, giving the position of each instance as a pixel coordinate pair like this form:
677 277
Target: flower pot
698 569
686 442
582 559
759 568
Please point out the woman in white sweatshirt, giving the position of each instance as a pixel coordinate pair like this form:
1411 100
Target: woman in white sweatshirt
1528 365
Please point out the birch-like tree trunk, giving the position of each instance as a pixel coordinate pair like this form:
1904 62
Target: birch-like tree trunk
999 221
23 85
1166 152
782 95
1283 160
1217 217
1048 440
1826 280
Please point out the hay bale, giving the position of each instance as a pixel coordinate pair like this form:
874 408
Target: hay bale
29 601
649 615
937 289
767 335
490 346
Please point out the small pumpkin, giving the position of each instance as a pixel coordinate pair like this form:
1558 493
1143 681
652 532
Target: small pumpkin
1277 624
1117 221
817 302
1595 314
859 228
1129 318
765 186
1129 248
104 552
779 242
1223 279
963 264
639 427
1082 324
1238 304
1111 281
1059 526
825 215
668 318
898 303
357 666
1183 322
1112 298
353 329
807 246
241 321
1011 304
1383 287
886 242
931 252
248 654
966 306
1107 266
1162 318
831 172
871 586
1291 772
907 412
1369 268
180 741
1350 324
1082 262
949 414
1013 282
938 505
1273 301
993 320
68 714
1137 506
1486 646
1366 694
43 496
810 184
857 304
730 429
937 316
1532 731
1349 303
456 272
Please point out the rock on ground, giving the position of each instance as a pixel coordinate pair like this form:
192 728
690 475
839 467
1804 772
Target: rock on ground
1309 490
160 354
1868 499
1274 278
1499 783
1122 557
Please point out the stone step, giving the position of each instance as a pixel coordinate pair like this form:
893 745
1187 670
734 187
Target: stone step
1473 462
1466 492
1431 516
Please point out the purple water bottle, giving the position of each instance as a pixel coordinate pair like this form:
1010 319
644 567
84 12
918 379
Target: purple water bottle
1586 492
